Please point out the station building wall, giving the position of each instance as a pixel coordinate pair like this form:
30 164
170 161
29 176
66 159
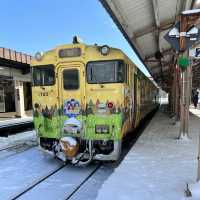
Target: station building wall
15 90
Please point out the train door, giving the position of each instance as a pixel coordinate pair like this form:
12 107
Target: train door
72 97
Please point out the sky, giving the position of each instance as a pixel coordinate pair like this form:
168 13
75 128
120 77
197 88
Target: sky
39 25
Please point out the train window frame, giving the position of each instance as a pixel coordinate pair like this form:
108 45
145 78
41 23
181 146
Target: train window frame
71 69
97 61
50 66
127 79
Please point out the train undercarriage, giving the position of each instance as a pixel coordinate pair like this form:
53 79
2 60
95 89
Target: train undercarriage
81 152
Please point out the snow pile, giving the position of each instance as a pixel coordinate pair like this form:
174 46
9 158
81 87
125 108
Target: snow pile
70 140
193 11
28 137
158 166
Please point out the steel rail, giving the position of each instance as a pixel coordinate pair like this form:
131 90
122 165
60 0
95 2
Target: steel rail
84 181
18 145
37 183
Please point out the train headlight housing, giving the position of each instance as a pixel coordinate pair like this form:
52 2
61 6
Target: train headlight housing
38 56
101 129
105 49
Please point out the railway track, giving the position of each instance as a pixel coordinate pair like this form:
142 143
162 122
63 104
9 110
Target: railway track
52 180
13 147
83 182
14 150
37 183
19 146
22 195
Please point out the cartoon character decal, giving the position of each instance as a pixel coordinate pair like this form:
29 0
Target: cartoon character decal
72 109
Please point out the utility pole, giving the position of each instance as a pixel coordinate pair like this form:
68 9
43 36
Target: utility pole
185 93
187 19
177 92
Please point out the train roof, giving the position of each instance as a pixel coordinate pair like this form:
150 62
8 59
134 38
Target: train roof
84 52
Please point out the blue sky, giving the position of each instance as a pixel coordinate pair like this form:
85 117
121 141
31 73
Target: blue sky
39 25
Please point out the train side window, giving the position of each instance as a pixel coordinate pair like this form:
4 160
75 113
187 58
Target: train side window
71 79
111 71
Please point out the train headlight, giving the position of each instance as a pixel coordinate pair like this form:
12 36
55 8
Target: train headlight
105 49
38 56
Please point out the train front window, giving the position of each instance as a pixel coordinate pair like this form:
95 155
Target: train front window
43 75
106 72
71 79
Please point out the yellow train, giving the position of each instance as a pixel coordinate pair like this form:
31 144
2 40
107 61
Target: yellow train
85 100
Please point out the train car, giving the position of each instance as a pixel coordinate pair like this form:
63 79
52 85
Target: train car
86 98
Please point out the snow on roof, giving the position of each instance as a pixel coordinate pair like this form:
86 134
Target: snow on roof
193 11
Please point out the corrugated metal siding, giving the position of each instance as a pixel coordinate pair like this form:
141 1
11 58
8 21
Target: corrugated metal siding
12 55
148 44
167 9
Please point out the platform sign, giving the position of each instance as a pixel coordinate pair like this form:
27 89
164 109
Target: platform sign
195 53
191 36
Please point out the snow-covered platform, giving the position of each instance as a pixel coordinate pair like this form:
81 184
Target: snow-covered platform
159 165
11 126
16 121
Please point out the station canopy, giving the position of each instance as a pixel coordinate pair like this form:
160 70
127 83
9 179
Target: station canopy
14 59
144 24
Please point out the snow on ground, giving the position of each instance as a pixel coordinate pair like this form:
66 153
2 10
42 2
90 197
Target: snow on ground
28 137
60 185
158 166
89 190
22 170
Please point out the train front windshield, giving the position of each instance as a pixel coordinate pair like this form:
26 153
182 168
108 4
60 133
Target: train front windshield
106 72
43 75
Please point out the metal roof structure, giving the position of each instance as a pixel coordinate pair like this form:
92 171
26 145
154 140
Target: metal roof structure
13 59
143 24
